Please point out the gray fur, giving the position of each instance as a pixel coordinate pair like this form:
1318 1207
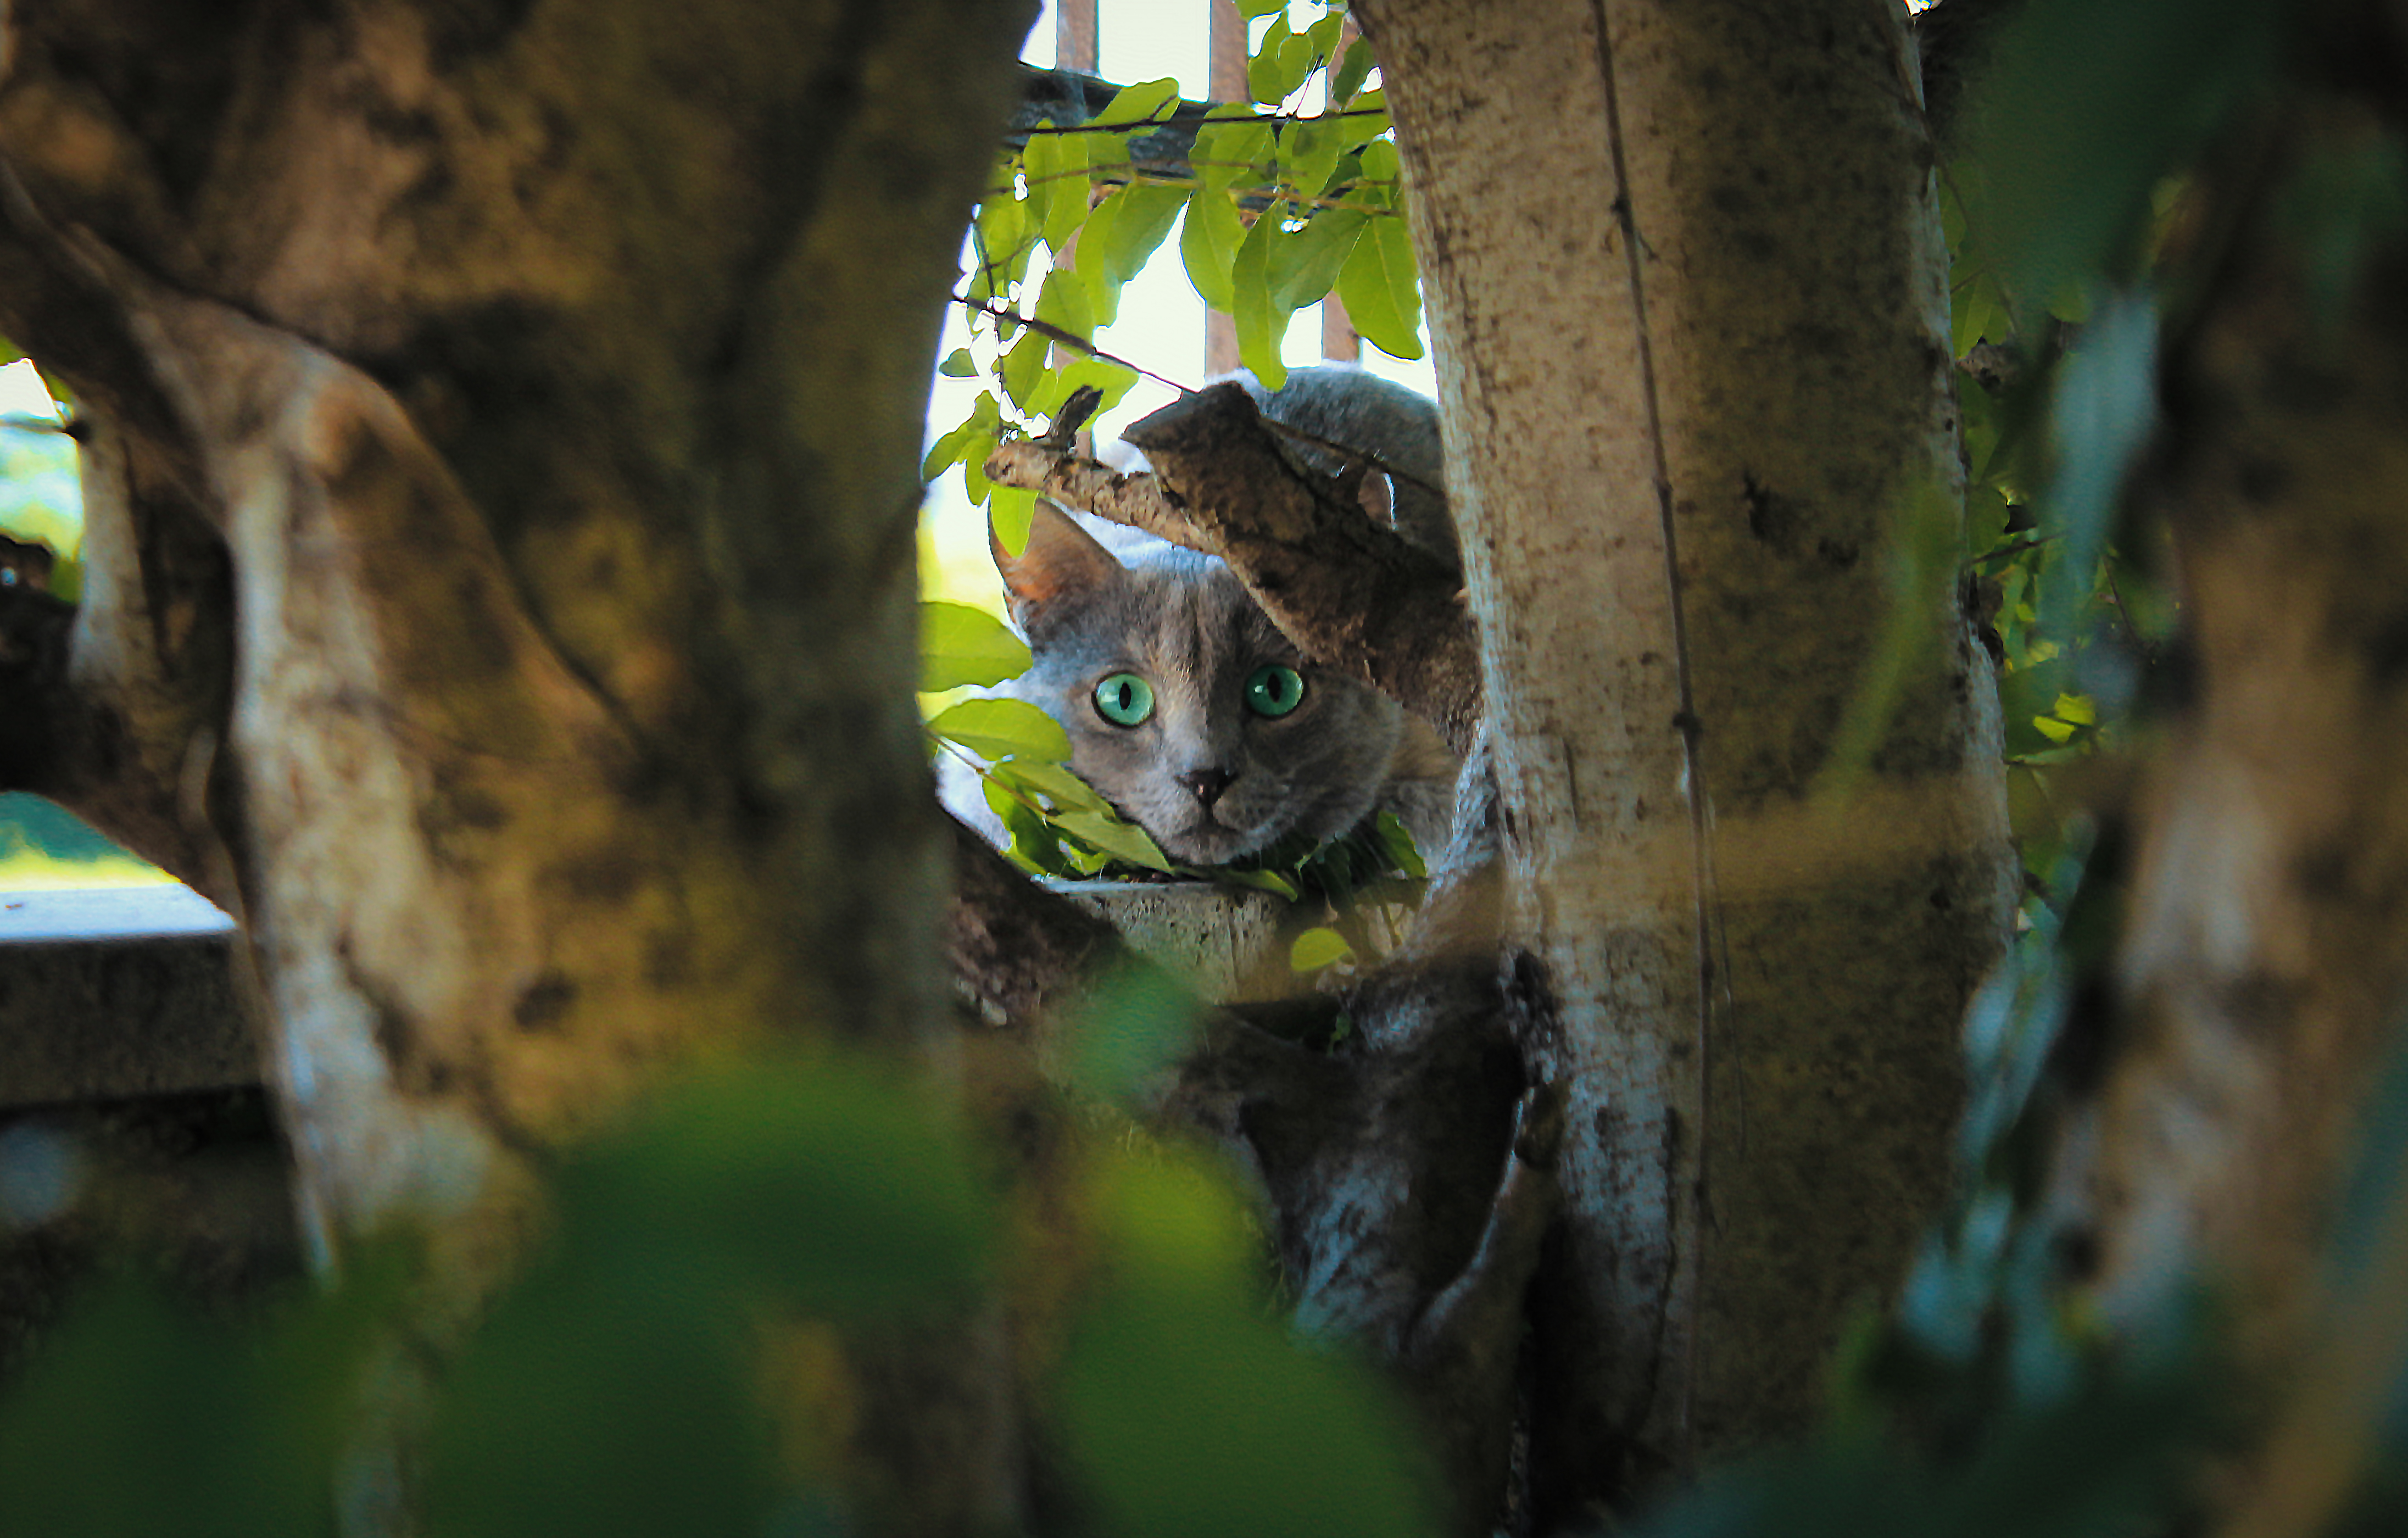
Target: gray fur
1095 599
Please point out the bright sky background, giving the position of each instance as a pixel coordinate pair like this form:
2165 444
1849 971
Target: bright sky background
1161 324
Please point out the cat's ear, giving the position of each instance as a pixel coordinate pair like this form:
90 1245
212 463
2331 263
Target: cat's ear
1378 495
1063 563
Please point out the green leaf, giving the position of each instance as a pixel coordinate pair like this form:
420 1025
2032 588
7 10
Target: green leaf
1121 840
1262 324
1208 244
1035 846
945 453
958 365
1381 290
1066 301
1139 104
1259 881
1353 67
1323 35
1112 379
1382 166
974 439
1297 57
1305 264
1397 840
965 647
1007 236
1010 511
1232 152
839 1187
1057 185
999 729
1255 10
1309 151
1021 368
1316 948
1054 782
1266 74
1125 231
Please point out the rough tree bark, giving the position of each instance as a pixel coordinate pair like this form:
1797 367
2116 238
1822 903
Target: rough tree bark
501 499
1695 385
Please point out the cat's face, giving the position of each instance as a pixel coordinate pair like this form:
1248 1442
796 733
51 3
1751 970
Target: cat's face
1184 706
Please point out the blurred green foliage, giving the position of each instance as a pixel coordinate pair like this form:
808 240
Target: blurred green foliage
679 1353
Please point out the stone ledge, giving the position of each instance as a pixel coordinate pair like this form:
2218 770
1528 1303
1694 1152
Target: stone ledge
118 993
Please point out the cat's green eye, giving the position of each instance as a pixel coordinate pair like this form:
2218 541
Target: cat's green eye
1274 691
1124 699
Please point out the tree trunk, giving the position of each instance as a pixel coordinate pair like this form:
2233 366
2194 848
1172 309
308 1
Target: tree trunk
2266 946
503 429
1700 437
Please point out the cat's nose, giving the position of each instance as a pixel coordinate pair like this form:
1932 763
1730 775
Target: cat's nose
1205 785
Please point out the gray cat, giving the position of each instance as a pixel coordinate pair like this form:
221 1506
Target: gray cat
1185 707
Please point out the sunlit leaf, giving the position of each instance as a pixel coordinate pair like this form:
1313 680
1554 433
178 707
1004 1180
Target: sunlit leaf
997 728
958 365
1296 58
1121 840
1020 369
1054 781
1007 236
961 646
1066 301
1261 322
1207 245
1324 34
1309 151
1125 231
1382 289
1305 264
970 441
1316 948
1266 79
1112 379
1231 152
1057 185
1353 67
1143 101
1010 511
